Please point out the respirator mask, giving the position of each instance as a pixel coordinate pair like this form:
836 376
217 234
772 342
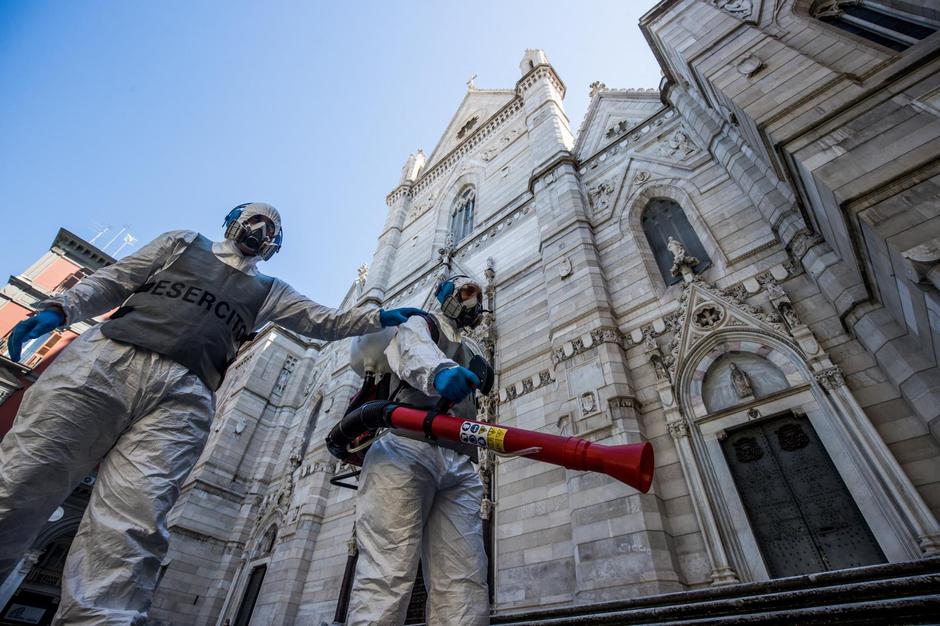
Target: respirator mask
256 227
462 303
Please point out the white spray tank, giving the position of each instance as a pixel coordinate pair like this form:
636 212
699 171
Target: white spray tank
367 353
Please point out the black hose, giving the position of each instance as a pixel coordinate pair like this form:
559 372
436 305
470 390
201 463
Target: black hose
369 416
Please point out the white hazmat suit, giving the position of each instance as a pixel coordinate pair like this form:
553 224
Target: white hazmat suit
418 500
144 416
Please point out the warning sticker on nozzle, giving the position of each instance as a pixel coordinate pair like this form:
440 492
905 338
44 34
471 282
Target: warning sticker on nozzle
494 438
482 435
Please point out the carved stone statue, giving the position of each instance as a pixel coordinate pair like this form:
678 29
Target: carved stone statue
281 384
363 272
774 290
678 146
296 458
789 315
678 250
413 166
682 261
740 9
588 402
740 381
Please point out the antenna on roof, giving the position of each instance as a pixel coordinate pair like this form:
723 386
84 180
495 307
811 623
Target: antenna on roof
128 240
113 239
101 230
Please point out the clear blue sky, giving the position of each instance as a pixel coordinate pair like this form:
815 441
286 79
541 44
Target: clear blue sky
164 115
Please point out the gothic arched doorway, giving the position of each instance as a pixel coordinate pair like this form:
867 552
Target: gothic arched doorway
36 599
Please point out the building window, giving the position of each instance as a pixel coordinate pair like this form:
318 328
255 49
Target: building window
879 22
284 376
36 350
461 220
71 280
664 219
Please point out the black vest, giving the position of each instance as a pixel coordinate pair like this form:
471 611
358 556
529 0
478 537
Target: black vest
197 311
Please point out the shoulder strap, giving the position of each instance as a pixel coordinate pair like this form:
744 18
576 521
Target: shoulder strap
435 331
433 328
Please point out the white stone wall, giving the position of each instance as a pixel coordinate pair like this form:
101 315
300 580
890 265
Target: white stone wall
593 343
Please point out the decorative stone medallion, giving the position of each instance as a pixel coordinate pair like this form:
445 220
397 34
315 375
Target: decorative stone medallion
708 317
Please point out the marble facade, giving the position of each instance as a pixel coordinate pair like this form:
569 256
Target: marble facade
805 162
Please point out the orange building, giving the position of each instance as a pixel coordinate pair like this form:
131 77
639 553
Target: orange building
67 261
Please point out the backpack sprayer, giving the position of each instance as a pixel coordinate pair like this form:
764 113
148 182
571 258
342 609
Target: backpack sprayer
631 464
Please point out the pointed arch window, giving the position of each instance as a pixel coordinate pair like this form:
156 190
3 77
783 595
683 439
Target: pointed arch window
883 22
664 218
461 219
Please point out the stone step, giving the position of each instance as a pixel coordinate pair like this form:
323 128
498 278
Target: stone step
785 608
903 593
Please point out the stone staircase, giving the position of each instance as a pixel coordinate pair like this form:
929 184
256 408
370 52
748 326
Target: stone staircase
897 593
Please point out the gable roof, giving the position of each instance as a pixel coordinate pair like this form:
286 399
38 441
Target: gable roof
477 107
705 308
611 114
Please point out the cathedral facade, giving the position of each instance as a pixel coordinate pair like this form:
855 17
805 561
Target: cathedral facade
740 267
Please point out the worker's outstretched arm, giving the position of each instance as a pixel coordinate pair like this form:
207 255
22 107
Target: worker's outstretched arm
110 286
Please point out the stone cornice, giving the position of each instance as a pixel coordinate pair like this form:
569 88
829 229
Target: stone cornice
526 385
570 349
397 192
27 287
536 74
202 537
81 251
559 158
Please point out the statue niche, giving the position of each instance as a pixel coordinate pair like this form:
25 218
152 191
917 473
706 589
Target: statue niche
738 378
674 243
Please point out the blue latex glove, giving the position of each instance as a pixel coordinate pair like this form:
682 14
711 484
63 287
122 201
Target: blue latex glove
445 290
32 327
394 317
456 383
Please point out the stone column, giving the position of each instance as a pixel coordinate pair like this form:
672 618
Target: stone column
618 538
235 584
722 572
290 563
399 202
917 522
18 575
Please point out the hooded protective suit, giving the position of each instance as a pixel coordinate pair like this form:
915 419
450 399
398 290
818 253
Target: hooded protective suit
418 500
142 414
